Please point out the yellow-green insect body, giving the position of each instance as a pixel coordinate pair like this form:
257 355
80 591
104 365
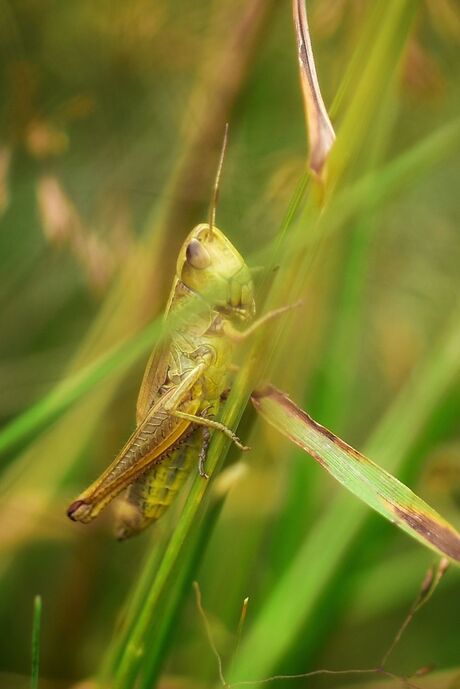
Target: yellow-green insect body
230 294
150 496
183 385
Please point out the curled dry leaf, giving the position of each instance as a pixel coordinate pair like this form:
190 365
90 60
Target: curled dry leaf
320 131
360 475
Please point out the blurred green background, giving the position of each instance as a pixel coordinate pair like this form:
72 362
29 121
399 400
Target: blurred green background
111 120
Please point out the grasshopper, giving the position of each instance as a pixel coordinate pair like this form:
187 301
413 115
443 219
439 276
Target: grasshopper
184 384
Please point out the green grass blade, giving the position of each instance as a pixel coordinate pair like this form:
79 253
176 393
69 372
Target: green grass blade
360 475
36 630
75 386
370 84
162 630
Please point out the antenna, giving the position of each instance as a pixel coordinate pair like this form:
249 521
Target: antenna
215 196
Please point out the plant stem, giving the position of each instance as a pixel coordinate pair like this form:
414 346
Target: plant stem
36 630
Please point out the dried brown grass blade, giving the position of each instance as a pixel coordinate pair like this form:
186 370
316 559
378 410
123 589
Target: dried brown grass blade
321 133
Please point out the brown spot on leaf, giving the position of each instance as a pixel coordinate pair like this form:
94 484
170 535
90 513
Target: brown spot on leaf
440 535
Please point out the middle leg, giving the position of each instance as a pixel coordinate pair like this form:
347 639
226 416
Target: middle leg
210 423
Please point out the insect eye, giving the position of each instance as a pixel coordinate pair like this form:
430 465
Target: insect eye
196 255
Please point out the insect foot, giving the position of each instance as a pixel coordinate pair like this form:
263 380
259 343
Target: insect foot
236 440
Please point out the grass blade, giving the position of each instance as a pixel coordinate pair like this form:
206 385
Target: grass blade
36 629
320 131
72 388
359 474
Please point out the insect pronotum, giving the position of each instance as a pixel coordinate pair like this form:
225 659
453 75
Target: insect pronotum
184 383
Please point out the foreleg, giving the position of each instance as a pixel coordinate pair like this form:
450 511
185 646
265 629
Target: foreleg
239 336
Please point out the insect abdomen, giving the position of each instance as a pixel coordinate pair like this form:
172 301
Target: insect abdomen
151 495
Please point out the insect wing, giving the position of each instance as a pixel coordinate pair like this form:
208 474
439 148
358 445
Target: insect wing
154 377
158 433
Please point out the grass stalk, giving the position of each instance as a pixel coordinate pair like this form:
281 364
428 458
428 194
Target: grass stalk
36 632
